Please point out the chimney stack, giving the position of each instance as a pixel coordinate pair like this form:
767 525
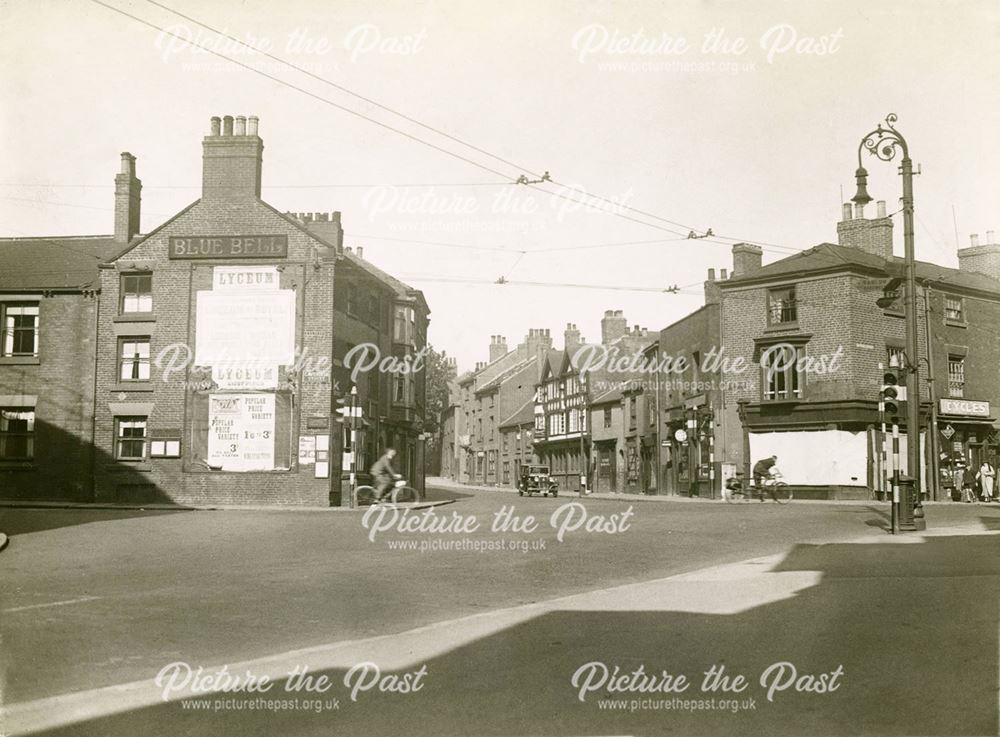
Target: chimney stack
498 347
746 259
871 236
711 289
981 258
571 337
613 326
128 198
232 159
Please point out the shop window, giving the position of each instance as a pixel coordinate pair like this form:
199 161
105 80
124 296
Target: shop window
781 308
130 438
20 328
133 359
17 434
781 377
956 376
954 309
137 292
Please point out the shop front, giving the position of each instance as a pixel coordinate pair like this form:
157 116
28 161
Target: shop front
967 436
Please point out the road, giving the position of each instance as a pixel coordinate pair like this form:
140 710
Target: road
97 600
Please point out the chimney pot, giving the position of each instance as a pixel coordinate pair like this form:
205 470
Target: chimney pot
989 237
227 125
240 127
846 211
880 205
724 275
252 125
216 123
128 200
974 239
360 251
711 274
859 211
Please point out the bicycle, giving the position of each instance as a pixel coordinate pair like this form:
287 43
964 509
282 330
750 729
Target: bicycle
400 493
735 493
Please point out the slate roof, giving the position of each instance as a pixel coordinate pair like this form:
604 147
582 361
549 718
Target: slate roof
524 416
59 262
831 257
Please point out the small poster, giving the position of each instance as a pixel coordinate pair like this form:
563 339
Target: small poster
307 450
241 432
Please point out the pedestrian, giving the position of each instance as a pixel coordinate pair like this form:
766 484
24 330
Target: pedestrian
968 484
986 476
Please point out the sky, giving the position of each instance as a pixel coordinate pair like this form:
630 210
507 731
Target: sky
736 117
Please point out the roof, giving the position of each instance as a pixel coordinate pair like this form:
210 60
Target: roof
504 375
612 395
831 257
59 262
401 289
524 416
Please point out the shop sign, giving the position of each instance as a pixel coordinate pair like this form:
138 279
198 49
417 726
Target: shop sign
680 436
245 278
229 246
948 432
968 407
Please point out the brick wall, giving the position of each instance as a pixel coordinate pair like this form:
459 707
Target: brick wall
175 283
63 380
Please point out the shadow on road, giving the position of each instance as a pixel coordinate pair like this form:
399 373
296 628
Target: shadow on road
913 626
24 520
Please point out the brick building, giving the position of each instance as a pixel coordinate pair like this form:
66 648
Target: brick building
48 319
201 362
809 329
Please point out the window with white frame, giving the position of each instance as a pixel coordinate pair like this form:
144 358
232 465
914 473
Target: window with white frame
130 438
20 328
953 309
17 433
133 359
956 376
781 306
780 367
137 292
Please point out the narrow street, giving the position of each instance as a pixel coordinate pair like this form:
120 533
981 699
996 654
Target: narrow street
96 599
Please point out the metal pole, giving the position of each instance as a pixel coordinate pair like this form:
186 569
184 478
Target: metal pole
883 481
895 478
711 452
935 471
354 442
913 370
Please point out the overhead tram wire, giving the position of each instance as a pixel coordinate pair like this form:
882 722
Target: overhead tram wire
417 122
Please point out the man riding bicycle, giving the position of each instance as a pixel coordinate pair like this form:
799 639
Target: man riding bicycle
383 474
763 469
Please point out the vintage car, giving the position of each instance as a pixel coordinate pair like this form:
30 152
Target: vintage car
535 479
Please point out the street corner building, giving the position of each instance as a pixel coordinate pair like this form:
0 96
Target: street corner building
205 362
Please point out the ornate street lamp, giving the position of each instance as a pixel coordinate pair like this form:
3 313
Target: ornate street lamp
884 143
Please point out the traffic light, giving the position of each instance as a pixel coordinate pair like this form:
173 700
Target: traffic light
889 394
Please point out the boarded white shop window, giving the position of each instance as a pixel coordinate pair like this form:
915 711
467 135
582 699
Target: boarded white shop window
243 432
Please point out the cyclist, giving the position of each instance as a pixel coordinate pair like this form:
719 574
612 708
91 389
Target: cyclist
383 474
763 469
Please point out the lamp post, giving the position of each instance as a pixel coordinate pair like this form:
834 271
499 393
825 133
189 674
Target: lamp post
884 144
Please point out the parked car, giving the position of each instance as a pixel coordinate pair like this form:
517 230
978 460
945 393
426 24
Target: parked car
536 479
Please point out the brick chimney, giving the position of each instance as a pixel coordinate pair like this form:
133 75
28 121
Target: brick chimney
232 159
537 342
872 236
571 336
982 258
613 326
128 190
746 259
712 288
498 347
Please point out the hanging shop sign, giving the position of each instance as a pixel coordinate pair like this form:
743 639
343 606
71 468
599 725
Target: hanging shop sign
229 246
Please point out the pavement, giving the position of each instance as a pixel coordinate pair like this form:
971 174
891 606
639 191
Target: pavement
909 621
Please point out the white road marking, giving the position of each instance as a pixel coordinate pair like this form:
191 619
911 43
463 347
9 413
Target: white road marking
65 602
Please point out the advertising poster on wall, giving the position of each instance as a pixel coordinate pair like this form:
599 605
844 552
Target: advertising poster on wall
241 432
